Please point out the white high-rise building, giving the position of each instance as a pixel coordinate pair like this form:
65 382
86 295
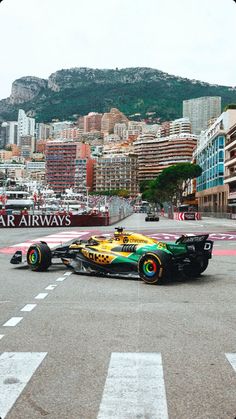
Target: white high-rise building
13 132
8 133
26 125
200 111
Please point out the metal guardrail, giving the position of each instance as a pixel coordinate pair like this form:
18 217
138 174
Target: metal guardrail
118 209
226 215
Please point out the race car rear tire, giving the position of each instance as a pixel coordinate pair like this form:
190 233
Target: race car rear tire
196 267
39 257
154 267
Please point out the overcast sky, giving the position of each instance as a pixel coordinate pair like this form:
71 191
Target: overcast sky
188 38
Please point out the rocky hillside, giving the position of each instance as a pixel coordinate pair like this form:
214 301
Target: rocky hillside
138 92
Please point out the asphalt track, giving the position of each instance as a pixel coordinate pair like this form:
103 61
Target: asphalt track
76 347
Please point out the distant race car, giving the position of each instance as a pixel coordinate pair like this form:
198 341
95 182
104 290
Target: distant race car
125 254
152 216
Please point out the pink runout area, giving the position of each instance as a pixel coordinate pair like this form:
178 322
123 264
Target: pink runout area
224 252
57 239
53 240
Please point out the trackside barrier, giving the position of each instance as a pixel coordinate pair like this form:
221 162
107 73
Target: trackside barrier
184 216
52 220
118 209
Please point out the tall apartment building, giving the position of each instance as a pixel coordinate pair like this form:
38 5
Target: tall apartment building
43 131
212 192
155 154
92 122
180 126
58 127
230 168
200 111
84 174
116 172
176 127
41 146
36 170
109 119
80 123
61 163
26 125
8 133
27 146
69 134
164 130
120 130
3 134
134 129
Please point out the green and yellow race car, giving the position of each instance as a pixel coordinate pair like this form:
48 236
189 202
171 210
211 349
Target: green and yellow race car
125 254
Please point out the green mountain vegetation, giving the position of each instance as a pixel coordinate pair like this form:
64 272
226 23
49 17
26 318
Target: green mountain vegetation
140 93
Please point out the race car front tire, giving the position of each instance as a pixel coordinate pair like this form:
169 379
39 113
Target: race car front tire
39 257
154 267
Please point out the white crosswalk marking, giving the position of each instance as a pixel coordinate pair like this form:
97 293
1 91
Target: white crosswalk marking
232 360
134 387
16 369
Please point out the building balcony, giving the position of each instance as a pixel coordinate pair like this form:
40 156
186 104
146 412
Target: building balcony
230 161
232 195
231 142
230 178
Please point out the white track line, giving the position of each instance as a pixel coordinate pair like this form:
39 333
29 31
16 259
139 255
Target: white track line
60 279
41 296
1 336
16 369
28 307
232 360
134 387
13 322
51 287
67 273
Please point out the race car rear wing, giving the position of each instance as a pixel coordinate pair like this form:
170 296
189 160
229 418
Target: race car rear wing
198 243
192 239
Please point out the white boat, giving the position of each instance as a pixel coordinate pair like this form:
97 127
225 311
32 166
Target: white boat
15 199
